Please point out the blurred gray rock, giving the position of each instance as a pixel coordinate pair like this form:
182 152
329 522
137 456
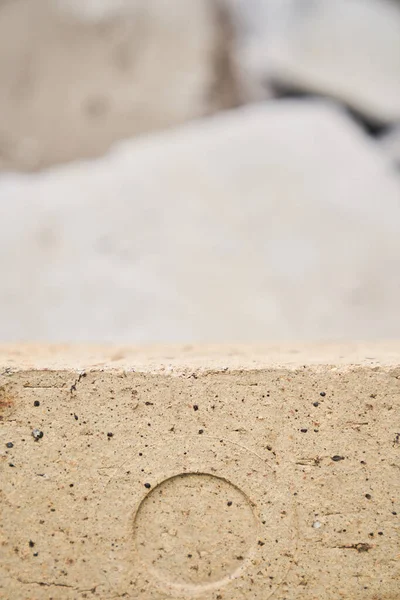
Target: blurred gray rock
75 76
347 49
272 222
391 144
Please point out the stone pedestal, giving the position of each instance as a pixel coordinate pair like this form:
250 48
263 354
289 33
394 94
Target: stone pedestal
212 473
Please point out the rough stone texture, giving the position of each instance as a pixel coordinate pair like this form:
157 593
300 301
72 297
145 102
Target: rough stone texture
273 222
349 49
210 473
75 77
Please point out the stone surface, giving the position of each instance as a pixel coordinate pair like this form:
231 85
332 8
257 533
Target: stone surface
273 222
348 49
236 472
75 77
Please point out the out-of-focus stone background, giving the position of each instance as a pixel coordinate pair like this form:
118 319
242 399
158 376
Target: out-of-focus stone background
212 170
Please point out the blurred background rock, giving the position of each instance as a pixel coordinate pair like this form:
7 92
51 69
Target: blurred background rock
203 170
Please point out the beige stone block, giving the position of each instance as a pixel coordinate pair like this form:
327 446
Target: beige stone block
210 473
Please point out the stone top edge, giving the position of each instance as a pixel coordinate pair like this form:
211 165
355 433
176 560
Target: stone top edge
192 358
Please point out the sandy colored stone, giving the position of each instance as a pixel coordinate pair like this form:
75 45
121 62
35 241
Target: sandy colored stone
200 472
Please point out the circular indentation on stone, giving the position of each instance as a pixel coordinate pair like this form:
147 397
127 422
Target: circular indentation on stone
151 556
195 530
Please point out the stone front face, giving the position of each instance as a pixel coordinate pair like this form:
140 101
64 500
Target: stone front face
199 482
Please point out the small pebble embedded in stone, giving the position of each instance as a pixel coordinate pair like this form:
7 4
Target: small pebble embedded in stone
201 431
303 430
36 403
317 524
315 403
229 503
37 434
337 457
323 394
10 445
31 544
147 485
368 496
195 407
110 435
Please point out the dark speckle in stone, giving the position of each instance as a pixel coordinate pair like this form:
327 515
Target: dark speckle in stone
37 434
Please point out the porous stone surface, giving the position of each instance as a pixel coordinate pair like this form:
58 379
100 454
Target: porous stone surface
211 473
